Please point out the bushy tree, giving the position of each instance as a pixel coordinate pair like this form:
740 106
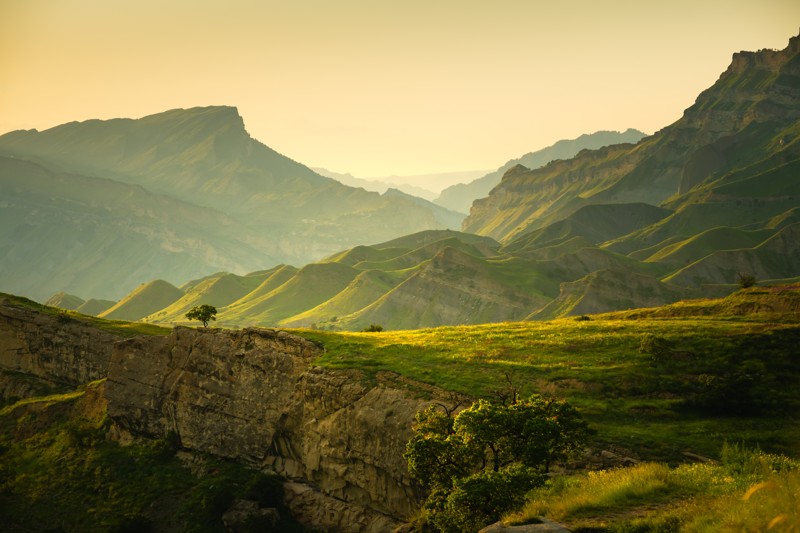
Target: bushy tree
746 280
479 464
204 313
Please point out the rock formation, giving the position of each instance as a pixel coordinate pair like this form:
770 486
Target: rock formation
41 352
253 395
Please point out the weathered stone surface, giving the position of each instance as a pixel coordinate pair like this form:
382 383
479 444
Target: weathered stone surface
254 395
242 512
38 349
222 392
325 513
543 526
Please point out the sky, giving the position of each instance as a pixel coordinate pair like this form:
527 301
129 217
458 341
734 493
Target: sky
379 88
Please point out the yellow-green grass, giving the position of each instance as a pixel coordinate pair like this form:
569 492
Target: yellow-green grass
218 291
144 300
597 365
116 327
748 493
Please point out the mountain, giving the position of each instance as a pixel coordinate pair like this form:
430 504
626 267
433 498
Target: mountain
94 236
146 299
740 132
227 201
460 197
62 300
375 184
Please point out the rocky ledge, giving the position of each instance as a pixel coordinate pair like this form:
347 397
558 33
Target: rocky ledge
254 395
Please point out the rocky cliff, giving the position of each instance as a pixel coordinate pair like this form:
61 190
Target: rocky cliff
42 352
254 395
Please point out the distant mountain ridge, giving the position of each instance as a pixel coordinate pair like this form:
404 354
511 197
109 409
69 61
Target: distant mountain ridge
460 197
679 215
252 207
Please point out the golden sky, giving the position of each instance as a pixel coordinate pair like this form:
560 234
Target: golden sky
377 87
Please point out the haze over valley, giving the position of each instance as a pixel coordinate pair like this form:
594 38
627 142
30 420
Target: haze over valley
361 267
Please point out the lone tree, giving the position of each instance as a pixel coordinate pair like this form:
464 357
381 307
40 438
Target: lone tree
204 313
746 280
481 463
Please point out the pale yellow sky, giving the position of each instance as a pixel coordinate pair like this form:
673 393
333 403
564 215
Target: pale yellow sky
380 87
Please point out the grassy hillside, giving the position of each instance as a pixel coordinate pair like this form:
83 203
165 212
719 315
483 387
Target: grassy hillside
680 378
218 291
145 300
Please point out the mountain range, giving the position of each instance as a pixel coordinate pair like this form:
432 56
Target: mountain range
459 197
96 207
680 214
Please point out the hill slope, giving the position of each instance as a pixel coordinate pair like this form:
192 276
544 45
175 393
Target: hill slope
749 115
460 197
276 210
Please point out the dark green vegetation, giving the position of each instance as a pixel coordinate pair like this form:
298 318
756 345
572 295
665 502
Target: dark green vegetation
97 207
659 382
204 313
480 463
60 473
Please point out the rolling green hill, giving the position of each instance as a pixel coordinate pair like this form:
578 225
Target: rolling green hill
145 300
680 214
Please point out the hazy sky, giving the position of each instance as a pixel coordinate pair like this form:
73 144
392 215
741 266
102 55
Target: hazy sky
377 87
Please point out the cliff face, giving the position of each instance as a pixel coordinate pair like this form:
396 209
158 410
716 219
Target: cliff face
40 352
253 395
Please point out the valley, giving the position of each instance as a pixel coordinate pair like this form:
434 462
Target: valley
650 283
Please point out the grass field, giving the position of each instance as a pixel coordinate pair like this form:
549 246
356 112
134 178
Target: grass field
728 369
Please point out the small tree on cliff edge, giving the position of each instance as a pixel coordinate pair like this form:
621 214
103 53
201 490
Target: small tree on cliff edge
204 313
481 463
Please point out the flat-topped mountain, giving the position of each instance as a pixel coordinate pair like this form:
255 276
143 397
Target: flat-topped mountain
185 192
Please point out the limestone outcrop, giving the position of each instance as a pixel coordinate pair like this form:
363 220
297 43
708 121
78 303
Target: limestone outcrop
40 351
254 395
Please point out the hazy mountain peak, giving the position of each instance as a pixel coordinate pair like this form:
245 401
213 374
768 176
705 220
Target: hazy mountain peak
516 169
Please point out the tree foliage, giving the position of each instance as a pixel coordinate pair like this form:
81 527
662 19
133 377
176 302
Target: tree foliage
479 464
204 313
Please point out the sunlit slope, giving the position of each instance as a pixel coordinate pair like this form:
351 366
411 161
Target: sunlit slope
145 300
218 291
610 289
658 408
744 126
776 258
368 287
708 242
94 307
455 288
309 287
